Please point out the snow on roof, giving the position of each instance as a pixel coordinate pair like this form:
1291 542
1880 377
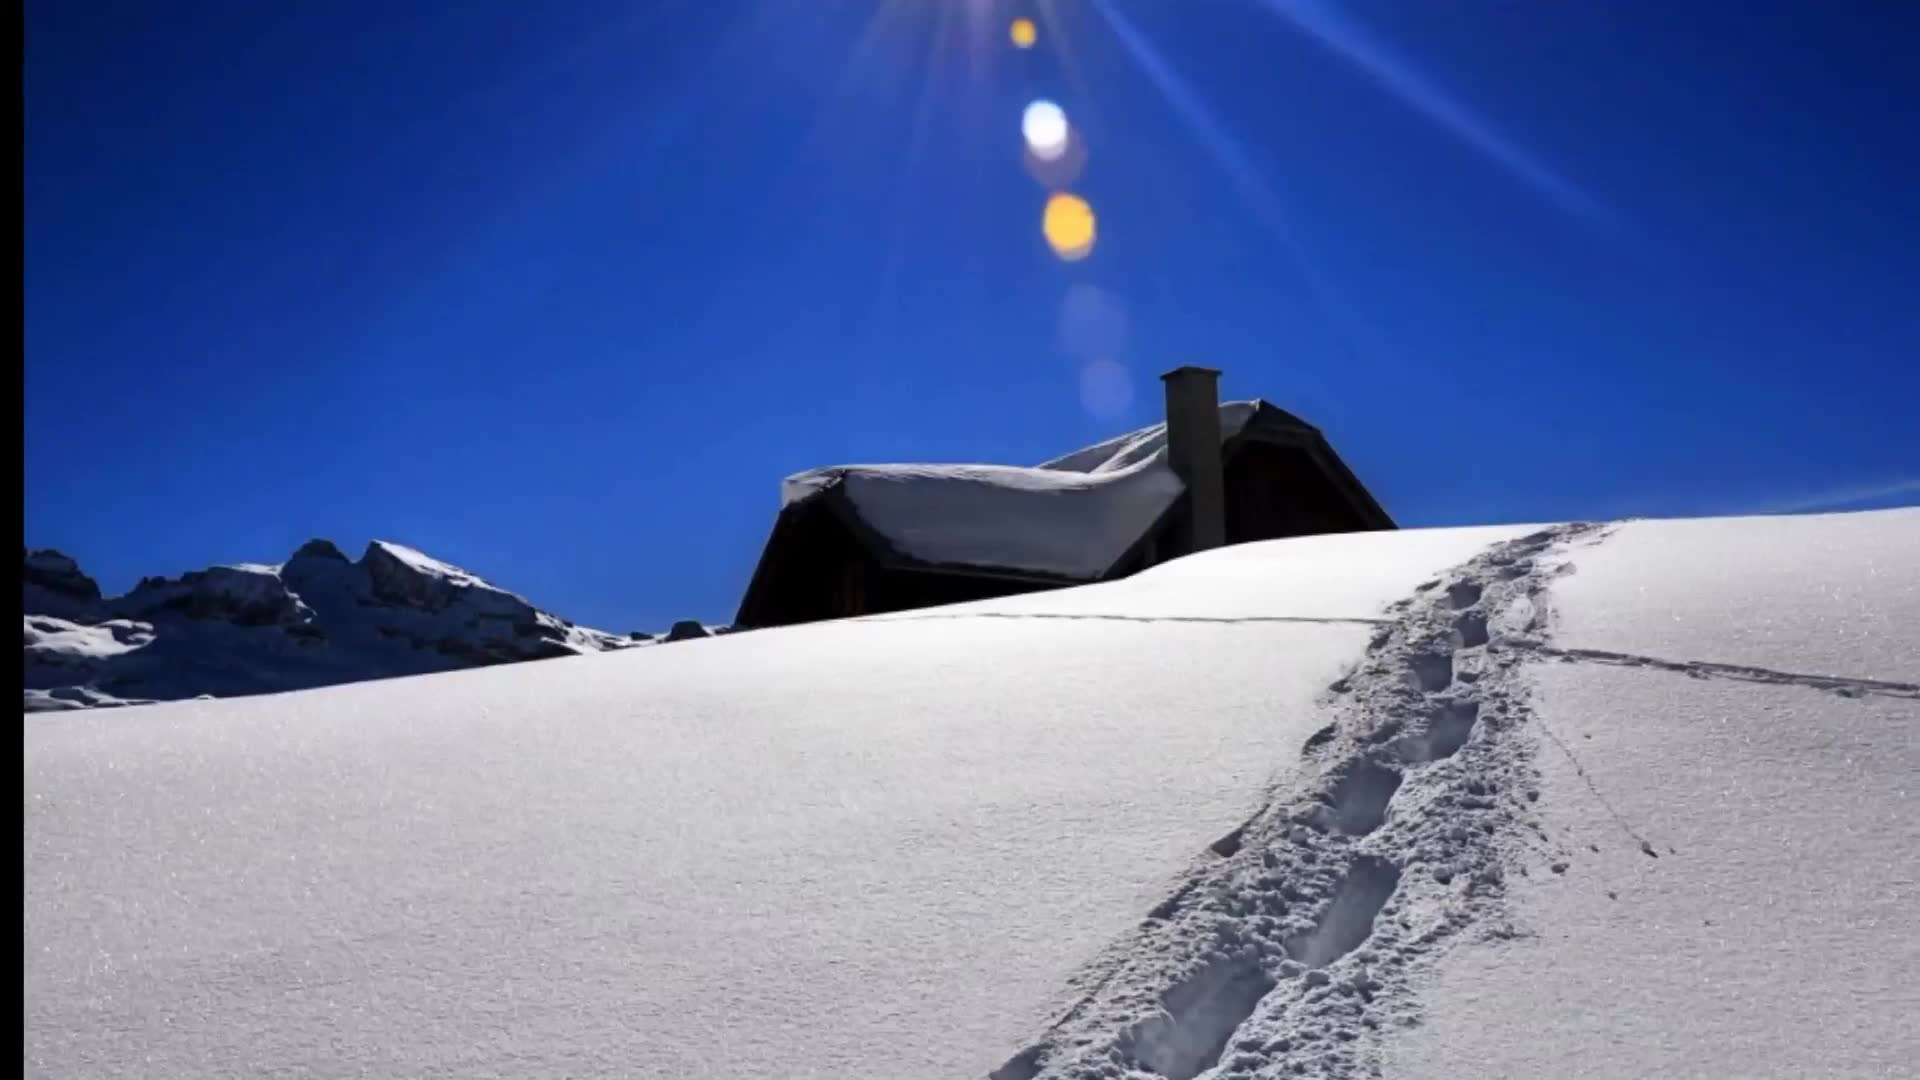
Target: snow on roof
1066 523
1124 451
1415 803
1074 516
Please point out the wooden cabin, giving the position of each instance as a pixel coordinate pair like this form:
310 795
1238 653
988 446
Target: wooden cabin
862 540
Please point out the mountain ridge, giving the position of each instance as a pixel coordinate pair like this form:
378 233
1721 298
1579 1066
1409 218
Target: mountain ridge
317 619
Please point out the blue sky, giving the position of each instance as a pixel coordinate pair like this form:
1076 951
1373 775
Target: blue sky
560 292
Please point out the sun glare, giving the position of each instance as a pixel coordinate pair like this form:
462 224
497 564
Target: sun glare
1023 33
1044 125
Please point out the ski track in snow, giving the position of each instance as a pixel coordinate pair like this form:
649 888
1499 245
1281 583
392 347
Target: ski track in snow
1702 669
1102 616
1290 947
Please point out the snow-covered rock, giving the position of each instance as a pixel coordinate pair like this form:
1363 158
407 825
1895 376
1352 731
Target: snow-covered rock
1509 802
316 620
244 595
685 630
74 658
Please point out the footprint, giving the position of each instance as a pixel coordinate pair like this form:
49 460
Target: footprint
1348 920
1358 802
1431 671
1448 729
1519 617
1199 1018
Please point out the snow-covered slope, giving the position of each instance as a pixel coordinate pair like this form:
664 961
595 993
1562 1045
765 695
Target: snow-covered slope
1727 720
315 620
1322 807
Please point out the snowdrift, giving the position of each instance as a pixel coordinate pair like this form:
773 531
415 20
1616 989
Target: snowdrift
1614 801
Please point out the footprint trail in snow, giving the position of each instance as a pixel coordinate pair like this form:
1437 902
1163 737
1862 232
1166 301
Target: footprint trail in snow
1289 949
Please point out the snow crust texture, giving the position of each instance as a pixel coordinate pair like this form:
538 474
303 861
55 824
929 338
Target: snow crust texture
1293 952
1729 890
1500 803
1728 722
1829 594
865 850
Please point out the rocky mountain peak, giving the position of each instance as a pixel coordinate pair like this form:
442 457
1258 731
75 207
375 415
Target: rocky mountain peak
58 573
319 548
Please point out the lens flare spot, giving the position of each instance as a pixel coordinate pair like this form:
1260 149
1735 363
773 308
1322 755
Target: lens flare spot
1045 127
1061 171
1023 33
1069 226
1093 323
1106 390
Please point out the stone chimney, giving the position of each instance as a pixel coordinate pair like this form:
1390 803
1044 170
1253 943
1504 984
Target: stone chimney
1193 449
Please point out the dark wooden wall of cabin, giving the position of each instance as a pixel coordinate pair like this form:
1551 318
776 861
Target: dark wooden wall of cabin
814 569
1278 491
819 570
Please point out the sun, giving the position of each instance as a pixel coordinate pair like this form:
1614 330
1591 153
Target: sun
1044 126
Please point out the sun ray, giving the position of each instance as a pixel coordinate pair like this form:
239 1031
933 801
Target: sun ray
1362 340
1349 40
888 21
1053 31
900 216
983 31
